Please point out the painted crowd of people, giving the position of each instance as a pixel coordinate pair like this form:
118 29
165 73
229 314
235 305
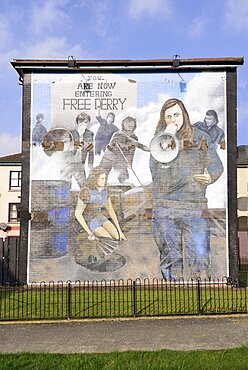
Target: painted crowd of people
180 223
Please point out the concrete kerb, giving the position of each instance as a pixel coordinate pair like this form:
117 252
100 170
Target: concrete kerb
116 319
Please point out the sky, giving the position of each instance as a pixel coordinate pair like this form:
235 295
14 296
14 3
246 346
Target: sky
116 29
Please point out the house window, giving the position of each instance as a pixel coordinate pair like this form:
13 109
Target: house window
15 179
14 212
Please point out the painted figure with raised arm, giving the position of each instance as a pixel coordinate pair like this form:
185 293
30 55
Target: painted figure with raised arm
105 131
121 149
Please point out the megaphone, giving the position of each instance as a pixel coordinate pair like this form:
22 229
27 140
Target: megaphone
164 147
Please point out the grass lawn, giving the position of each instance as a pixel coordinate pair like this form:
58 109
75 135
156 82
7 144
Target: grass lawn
199 360
243 275
51 302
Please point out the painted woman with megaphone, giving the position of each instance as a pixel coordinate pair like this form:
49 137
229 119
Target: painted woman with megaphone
181 171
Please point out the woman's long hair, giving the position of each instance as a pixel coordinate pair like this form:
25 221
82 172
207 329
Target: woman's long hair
185 131
92 180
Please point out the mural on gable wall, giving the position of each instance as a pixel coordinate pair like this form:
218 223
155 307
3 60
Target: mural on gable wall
128 176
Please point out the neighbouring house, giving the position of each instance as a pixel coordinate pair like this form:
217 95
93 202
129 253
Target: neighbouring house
10 195
242 205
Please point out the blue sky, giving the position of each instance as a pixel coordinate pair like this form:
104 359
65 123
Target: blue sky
116 29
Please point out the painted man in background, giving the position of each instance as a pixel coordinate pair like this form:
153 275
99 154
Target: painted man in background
84 148
120 151
104 132
210 126
39 130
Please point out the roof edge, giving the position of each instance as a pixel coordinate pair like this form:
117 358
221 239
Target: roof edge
12 159
22 65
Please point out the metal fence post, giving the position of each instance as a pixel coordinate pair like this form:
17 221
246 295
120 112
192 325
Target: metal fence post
134 298
69 301
199 297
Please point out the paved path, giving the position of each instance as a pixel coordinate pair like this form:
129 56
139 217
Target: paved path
190 333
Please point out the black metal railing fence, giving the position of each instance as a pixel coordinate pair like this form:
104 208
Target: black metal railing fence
122 298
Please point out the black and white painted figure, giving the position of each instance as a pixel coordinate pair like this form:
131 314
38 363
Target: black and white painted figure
104 132
121 149
76 148
39 130
84 138
210 126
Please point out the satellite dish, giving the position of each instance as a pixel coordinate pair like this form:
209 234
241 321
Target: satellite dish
3 226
